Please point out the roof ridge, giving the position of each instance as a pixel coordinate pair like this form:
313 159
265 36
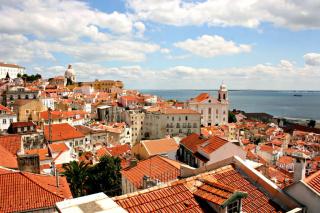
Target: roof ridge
41 185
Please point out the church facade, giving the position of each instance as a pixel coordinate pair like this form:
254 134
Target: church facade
214 111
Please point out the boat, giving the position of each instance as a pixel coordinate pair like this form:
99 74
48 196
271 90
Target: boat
297 95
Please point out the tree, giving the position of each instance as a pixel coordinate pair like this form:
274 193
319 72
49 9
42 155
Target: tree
105 176
232 118
312 123
77 175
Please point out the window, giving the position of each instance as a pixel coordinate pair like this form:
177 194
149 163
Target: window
11 120
186 118
4 121
209 110
172 118
234 207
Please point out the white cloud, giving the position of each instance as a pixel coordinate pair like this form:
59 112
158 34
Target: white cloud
140 27
312 59
211 46
284 75
165 50
36 29
247 13
63 19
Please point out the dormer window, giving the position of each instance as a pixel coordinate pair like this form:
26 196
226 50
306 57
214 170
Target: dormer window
234 207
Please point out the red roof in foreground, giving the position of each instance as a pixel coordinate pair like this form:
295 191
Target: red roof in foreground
175 198
314 181
21 191
183 195
256 201
61 132
12 143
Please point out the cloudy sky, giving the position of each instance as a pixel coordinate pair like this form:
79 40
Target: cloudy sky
168 44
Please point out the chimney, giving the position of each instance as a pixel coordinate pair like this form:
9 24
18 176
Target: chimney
299 166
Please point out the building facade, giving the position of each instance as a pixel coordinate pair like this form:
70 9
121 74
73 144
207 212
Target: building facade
171 122
213 111
10 69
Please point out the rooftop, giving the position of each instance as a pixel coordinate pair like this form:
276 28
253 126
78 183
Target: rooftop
156 167
160 146
61 132
21 191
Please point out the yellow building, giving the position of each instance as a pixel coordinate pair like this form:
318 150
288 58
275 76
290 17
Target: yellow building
27 110
99 85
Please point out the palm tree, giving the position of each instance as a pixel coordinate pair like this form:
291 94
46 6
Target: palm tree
77 175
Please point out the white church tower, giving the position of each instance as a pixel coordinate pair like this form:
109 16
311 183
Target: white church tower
223 93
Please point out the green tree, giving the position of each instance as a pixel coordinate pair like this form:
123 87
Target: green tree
312 123
232 118
77 175
105 176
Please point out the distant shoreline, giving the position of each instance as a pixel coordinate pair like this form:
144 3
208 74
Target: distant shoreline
234 90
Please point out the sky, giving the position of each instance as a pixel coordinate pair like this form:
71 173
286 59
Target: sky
168 44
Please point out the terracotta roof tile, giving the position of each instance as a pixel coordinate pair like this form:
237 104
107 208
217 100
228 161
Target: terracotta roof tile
212 144
155 167
314 181
190 142
256 200
26 191
160 146
58 147
61 132
12 143
7 159
118 150
175 198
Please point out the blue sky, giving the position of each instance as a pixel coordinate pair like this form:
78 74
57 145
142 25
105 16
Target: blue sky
168 44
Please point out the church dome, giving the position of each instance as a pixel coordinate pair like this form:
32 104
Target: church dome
223 87
69 72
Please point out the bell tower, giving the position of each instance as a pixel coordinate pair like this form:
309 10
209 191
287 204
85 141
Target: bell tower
223 93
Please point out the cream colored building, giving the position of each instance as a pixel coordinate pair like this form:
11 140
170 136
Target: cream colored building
12 69
213 111
135 120
170 122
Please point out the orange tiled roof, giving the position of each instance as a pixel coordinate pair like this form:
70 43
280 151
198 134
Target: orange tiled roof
215 192
58 147
21 191
176 198
6 109
7 159
314 181
256 200
285 160
190 142
102 152
62 132
160 146
118 150
12 143
155 167
212 144
180 196
201 97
